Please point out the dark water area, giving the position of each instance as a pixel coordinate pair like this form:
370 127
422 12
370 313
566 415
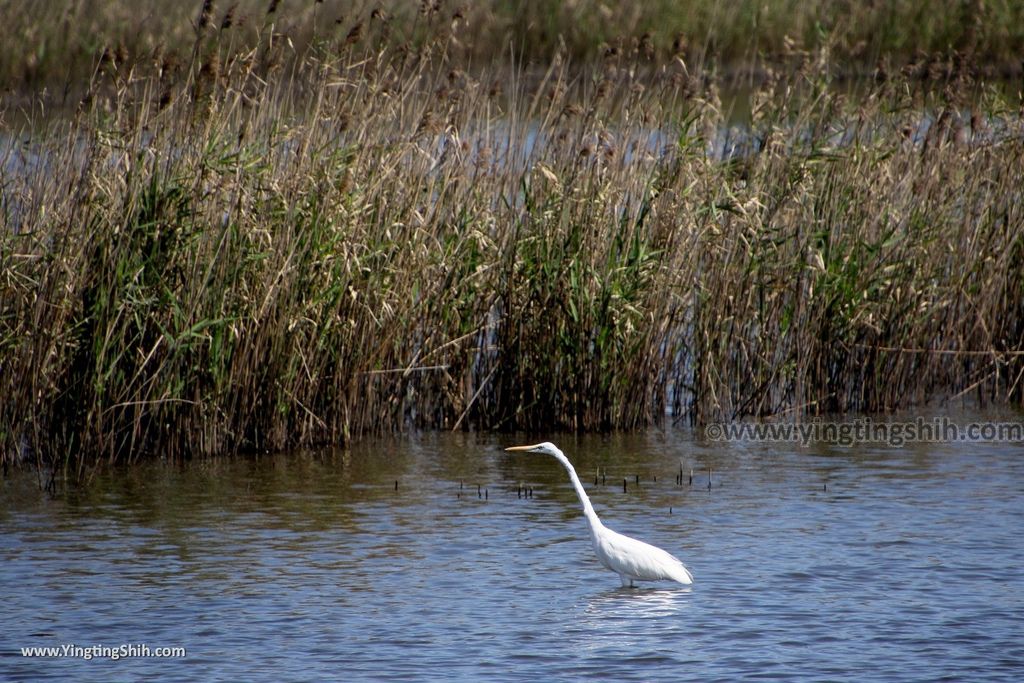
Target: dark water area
865 562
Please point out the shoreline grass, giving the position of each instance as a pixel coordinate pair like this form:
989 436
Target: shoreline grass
279 249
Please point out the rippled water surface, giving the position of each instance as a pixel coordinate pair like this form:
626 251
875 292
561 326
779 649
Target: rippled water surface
817 563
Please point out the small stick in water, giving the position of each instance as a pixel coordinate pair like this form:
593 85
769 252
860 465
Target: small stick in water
396 484
638 479
478 491
709 479
623 484
691 476
487 494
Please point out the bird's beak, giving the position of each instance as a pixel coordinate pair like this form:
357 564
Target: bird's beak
522 449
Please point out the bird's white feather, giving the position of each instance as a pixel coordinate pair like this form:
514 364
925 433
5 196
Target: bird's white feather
637 560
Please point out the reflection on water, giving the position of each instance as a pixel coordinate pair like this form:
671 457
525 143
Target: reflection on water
866 563
628 619
651 601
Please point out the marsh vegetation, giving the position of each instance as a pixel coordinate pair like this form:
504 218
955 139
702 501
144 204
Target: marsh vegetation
266 240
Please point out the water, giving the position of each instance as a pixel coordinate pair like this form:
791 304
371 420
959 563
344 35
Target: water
820 563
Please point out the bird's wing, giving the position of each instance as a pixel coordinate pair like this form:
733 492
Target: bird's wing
641 560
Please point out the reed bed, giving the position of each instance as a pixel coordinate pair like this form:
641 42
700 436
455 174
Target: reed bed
54 45
284 247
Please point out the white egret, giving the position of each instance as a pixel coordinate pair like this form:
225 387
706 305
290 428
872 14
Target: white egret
631 559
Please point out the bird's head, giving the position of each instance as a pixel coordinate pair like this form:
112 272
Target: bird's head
545 448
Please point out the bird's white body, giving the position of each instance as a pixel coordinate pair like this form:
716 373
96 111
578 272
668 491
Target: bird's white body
631 559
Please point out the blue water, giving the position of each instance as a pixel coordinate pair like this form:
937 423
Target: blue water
868 563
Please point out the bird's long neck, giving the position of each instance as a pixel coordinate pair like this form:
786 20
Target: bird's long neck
588 510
